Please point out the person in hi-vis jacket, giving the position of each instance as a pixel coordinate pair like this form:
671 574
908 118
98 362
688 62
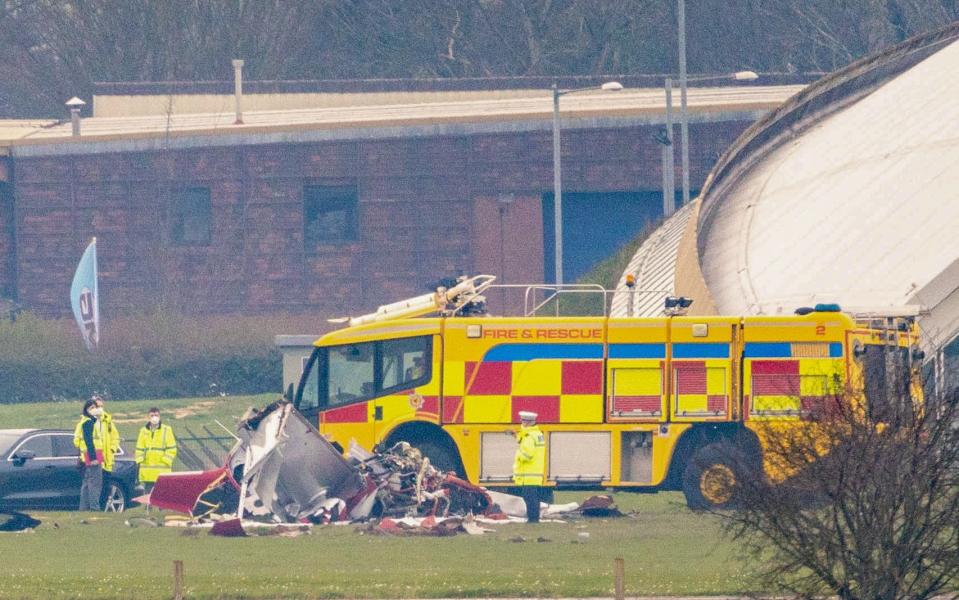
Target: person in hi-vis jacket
156 449
529 466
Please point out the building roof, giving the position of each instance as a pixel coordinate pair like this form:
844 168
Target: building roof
608 109
859 209
846 194
14 129
654 268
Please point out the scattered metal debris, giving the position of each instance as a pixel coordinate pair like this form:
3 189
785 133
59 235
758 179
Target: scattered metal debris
282 471
137 522
228 528
599 506
18 521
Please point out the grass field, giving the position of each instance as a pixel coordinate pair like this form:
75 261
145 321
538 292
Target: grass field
130 415
668 549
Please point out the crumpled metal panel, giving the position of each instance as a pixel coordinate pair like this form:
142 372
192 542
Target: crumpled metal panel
290 466
182 491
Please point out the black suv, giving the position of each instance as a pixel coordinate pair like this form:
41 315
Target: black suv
39 469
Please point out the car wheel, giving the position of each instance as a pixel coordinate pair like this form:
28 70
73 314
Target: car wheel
116 498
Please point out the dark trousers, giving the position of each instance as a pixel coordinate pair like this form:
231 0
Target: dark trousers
91 488
531 496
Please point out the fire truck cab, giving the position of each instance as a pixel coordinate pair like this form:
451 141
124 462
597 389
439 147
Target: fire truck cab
644 403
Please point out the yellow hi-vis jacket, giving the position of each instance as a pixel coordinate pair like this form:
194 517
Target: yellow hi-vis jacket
81 443
529 466
111 438
156 451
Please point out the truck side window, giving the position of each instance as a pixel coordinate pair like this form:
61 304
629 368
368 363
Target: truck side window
406 363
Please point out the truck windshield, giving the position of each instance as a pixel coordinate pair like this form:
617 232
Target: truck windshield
337 375
350 373
308 396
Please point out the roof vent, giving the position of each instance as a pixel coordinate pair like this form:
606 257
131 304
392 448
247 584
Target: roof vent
75 105
238 89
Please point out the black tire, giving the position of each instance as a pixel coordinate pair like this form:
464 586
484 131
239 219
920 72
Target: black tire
711 477
116 498
441 456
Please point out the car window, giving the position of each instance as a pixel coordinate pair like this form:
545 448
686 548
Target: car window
40 445
63 446
8 439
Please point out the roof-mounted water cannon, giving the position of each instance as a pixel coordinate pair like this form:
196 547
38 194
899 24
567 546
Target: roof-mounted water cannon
676 306
465 298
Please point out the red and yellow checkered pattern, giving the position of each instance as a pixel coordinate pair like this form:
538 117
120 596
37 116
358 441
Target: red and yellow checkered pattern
793 387
637 390
559 391
701 388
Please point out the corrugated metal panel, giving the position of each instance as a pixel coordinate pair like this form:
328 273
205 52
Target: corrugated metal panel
654 266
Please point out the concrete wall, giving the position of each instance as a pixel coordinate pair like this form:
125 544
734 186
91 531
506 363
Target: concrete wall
427 207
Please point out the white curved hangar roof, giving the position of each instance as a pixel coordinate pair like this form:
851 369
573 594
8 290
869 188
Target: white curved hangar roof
848 194
654 264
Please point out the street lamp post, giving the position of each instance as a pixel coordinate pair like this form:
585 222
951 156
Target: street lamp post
684 123
669 160
684 128
609 86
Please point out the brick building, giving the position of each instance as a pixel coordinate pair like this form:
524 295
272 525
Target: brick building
338 208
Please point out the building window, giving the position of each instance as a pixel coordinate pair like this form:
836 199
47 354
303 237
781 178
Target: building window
190 217
329 215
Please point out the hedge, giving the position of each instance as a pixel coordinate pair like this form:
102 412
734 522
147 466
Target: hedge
155 355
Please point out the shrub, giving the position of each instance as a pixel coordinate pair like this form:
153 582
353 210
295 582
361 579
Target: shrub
158 354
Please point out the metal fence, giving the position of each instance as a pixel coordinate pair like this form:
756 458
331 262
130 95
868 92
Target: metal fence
201 448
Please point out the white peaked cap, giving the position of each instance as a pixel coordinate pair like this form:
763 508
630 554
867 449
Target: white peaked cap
526 415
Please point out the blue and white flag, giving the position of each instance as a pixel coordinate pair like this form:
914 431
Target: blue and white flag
83 297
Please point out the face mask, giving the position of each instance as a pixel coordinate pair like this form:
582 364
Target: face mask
96 411
154 420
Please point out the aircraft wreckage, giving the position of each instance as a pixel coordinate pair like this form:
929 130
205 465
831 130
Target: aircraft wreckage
283 471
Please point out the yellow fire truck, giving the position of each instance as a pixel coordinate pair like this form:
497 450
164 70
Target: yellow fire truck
654 403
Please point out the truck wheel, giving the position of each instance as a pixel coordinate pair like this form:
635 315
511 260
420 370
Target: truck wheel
711 477
441 456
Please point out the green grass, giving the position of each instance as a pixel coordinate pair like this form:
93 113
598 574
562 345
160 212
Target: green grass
667 550
187 416
130 415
